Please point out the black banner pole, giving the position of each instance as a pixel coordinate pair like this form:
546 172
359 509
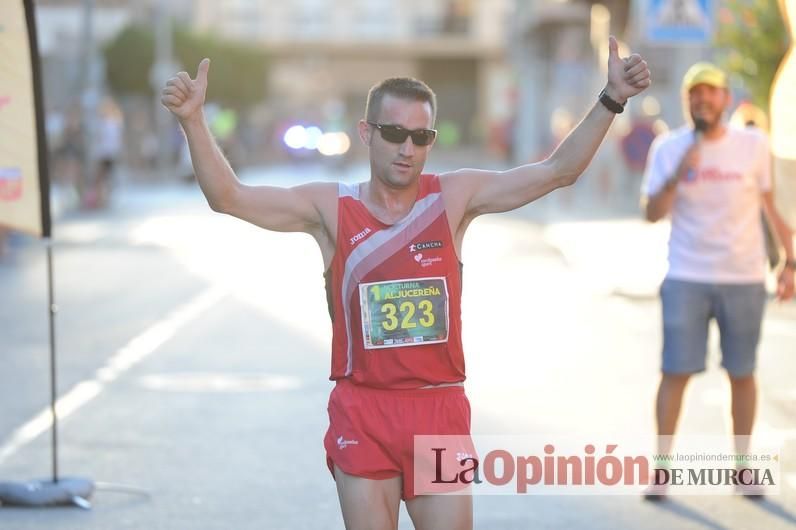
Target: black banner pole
53 370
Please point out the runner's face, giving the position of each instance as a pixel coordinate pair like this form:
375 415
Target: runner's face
398 165
707 102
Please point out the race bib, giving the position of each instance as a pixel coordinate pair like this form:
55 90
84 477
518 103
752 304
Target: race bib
402 312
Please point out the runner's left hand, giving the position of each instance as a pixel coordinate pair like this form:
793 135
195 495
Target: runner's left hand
627 76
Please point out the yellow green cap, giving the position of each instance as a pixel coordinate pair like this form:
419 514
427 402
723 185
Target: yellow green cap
704 73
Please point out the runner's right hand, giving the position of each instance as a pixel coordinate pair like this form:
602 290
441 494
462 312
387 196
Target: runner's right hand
183 96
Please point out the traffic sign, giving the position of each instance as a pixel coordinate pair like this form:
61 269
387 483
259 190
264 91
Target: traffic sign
678 21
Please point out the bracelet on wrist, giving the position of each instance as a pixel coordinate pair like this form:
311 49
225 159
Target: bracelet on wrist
611 104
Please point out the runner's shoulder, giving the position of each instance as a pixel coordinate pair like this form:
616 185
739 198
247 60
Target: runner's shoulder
458 179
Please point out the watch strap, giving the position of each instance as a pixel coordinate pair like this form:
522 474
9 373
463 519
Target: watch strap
610 103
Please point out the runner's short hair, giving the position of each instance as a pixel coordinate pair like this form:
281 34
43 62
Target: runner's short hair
400 87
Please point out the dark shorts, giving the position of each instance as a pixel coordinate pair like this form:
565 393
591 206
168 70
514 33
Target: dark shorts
688 308
371 431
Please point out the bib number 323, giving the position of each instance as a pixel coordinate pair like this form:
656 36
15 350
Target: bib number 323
403 312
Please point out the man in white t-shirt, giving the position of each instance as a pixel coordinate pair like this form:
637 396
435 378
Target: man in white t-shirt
713 181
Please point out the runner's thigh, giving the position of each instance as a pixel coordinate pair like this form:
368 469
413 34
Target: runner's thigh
441 512
368 504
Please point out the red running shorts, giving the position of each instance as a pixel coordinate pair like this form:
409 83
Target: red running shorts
371 431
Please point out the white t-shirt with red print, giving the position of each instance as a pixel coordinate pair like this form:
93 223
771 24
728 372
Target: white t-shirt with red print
717 234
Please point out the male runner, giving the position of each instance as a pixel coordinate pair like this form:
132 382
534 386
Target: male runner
391 247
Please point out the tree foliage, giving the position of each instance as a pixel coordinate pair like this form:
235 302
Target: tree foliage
128 59
754 38
237 75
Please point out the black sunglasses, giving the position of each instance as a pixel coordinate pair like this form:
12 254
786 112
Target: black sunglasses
398 135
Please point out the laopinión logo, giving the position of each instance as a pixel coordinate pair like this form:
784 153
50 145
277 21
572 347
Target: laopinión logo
532 465
713 477
500 467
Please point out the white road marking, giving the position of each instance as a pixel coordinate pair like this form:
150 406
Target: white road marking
132 353
217 382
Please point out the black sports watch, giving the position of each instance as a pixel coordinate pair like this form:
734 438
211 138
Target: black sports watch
790 263
610 103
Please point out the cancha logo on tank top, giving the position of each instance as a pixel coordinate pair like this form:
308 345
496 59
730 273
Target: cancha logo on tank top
425 245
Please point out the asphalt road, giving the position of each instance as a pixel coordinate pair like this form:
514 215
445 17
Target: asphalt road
193 363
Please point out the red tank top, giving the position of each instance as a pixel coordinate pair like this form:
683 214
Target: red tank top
394 294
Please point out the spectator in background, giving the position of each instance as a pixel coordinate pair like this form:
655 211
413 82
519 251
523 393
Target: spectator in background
749 115
712 180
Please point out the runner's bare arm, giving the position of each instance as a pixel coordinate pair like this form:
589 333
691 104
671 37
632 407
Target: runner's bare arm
498 191
296 209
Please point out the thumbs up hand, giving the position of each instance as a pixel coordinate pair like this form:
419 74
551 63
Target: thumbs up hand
627 76
183 96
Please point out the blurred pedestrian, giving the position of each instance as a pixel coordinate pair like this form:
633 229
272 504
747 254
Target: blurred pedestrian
712 180
110 144
391 248
749 115
70 153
